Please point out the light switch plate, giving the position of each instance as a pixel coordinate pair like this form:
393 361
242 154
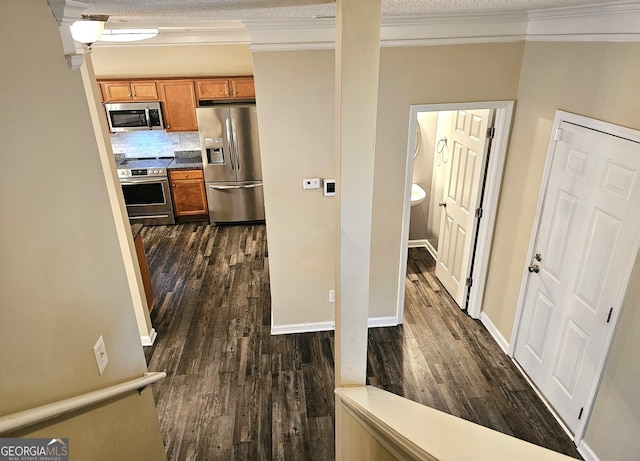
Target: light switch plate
100 351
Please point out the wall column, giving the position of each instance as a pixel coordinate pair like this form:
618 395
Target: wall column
357 68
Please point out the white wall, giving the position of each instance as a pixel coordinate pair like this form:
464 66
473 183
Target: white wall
62 275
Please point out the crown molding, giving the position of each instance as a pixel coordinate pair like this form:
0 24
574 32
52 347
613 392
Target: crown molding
233 33
66 12
320 33
617 21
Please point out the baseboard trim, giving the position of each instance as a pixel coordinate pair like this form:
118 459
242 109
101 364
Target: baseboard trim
586 452
302 328
149 340
373 322
377 322
418 243
497 336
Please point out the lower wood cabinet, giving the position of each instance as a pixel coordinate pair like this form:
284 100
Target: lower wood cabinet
188 192
144 271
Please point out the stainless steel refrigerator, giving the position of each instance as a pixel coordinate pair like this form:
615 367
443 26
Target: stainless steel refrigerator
231 162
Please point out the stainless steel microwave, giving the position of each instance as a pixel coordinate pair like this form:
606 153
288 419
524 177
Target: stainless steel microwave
130 116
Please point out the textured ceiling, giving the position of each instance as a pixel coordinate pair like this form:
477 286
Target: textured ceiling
194 11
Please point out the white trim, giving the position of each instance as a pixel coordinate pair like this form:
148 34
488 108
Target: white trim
376 322
302 328
26 418
606 128
149 339
617 21
495 168
373 322
586 452
588 21
504 117
493 330
419 243
543 399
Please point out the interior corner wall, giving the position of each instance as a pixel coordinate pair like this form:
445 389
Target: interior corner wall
422 75
62 276
598 80
171 61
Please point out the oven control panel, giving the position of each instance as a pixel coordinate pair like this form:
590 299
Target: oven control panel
141 172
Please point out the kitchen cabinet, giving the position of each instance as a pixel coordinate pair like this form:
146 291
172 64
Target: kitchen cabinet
122 91
179 104
226 88
188 192
144 271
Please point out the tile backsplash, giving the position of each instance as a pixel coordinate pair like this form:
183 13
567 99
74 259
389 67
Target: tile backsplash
155 143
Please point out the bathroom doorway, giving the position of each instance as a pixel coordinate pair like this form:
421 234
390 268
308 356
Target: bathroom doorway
434 145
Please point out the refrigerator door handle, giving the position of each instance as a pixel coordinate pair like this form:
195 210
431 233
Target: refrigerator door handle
246 186
231 143
235 144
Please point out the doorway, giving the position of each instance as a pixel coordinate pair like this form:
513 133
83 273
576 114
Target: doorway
583 248
478 247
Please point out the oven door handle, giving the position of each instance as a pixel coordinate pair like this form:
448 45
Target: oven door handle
143 181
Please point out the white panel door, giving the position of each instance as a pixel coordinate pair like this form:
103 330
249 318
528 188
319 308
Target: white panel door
462 194
589 221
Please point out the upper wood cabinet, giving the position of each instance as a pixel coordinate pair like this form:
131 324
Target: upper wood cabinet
139 90
179 104
226 88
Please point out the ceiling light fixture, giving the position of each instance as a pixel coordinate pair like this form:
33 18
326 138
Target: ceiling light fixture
88 28
127 35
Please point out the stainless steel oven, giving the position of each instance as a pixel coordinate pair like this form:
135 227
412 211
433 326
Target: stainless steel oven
146 191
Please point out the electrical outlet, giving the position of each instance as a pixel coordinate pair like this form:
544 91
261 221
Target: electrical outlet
100 351
332 296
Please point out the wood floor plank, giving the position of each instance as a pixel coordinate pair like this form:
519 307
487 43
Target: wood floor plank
235 392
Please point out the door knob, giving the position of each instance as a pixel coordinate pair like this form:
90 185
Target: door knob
538 257
444 204
534 268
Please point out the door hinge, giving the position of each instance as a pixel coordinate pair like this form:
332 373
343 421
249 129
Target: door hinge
491 132
469 281
609 316
558 134
478 212
581 410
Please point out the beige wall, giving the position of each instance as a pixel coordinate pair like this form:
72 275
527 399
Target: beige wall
438 74
172 61
295 109
598 80
295 114
62 279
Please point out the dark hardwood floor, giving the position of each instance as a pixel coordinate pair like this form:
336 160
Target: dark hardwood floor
234 392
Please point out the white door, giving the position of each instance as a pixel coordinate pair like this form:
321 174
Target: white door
581 261
462 194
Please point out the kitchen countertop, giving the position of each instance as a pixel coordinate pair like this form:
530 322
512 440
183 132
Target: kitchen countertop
186 160
186 164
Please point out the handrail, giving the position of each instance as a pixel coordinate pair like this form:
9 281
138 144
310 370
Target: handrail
26 418
410 431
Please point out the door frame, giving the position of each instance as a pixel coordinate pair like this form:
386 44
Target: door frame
607 129
495 167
